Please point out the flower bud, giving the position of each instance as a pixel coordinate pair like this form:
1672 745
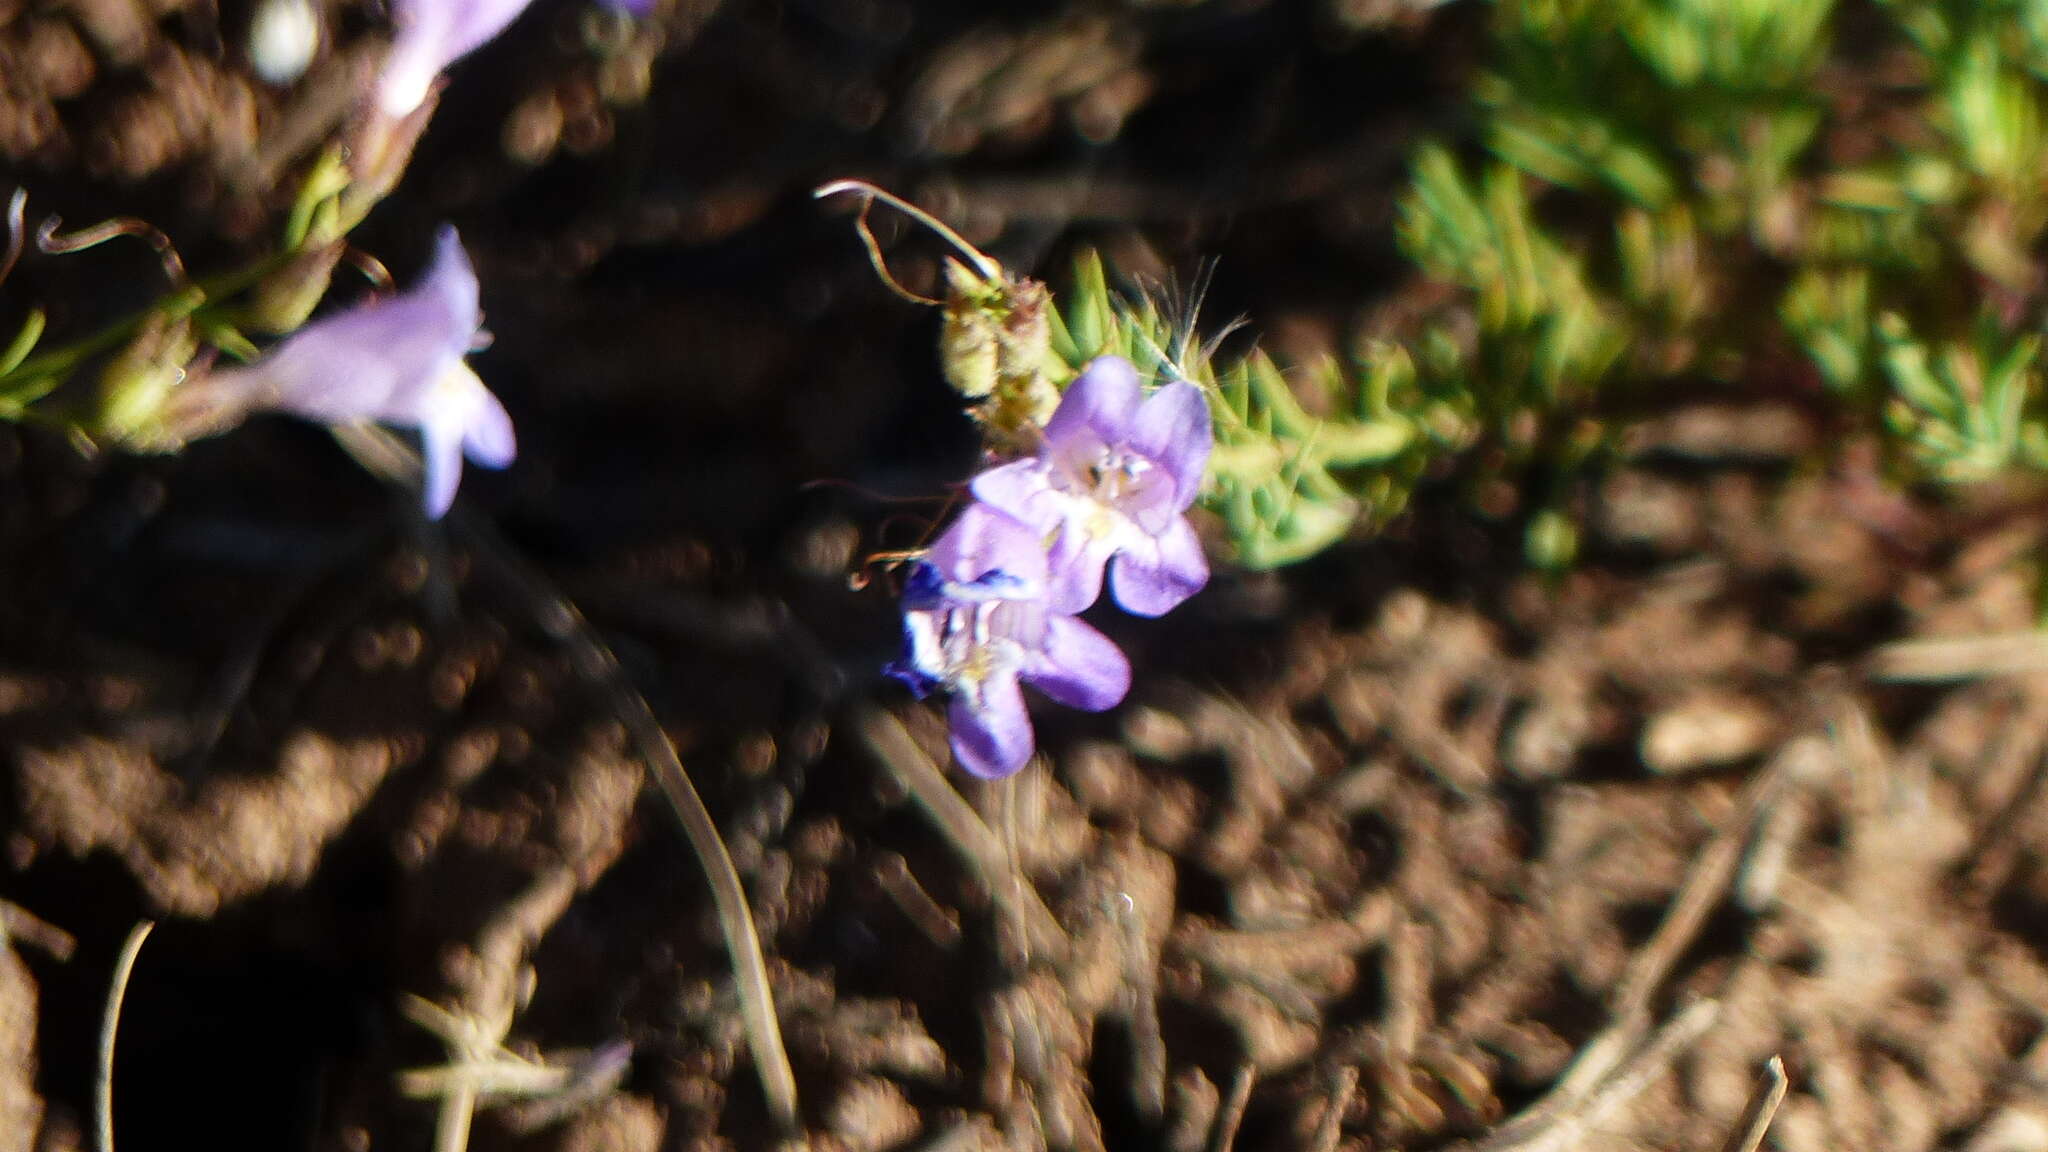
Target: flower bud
967 339
379 150
137 382
996 347
285 298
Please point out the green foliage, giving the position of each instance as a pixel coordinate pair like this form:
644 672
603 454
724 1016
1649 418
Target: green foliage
1543 335
1666 194
1633 96
1962 408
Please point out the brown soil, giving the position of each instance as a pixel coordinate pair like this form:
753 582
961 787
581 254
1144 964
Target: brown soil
1520 864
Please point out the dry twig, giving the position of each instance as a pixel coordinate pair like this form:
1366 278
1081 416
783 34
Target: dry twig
18 923
1763 1105
1566 1127
1224 1135
480 1068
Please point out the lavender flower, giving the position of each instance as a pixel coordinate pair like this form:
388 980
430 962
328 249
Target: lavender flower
431 35
399 361
976 624
1113 478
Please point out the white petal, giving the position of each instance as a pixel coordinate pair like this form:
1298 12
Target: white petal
441 448
487 437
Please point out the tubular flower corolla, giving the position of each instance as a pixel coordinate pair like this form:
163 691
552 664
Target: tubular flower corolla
398 361
430 35
1113 479
976 624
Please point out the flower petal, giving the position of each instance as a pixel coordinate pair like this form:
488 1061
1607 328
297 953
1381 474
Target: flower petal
487 437
431 35
1172 429
1103 399
1022 490
380 360
1151 501
1080 667
450 282
921 667
1074 567
982 541
994 738
407 76
349 367
1152 582
924 590
441 450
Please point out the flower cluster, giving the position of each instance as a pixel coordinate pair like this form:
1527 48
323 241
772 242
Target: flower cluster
992 604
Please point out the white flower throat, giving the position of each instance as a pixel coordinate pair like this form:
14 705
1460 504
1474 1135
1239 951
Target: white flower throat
966 645
1107 487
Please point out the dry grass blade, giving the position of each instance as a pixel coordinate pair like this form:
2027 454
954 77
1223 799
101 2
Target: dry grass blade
728 894
1566 1127
459 1095
1703 888
481 1070
976 843
893 876
1763 1106
1961 657
110 1025
384 455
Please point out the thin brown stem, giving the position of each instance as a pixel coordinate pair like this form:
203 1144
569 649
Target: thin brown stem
53 243
869 193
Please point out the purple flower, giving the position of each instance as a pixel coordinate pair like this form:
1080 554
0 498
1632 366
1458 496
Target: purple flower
976 624
431 35
398 360
1112 479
